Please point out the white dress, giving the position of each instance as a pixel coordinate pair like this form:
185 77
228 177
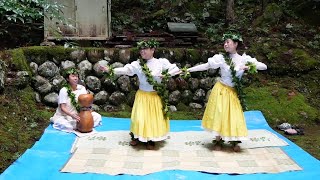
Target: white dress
156 66
64 122
223 115
147 120
217 61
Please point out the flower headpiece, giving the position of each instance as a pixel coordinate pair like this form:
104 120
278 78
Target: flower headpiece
69 71
233 36
152 43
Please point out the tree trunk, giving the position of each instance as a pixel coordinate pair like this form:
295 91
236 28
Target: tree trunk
230 16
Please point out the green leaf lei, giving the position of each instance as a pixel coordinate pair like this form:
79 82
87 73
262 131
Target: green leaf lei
233 36
110 74
161 88
72 97
152 43
238 82
185 73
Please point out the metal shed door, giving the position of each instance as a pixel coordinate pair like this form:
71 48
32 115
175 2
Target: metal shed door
92 18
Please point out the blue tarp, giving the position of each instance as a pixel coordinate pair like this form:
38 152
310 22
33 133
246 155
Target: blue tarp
51 152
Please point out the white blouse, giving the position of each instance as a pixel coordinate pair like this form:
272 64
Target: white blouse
218 61
156 66
64 98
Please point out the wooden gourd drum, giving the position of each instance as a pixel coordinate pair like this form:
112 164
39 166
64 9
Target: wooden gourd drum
86 120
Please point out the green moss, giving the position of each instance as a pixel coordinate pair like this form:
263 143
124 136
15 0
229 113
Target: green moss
59 53
271 15
37 54
182 107
22 123
193 56
159 13
277 105
19 60
303 60
178 54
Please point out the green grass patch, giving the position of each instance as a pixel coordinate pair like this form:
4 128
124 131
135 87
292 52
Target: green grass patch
280 105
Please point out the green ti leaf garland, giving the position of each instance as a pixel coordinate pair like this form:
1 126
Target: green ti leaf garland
238 82
110 74
184 73
72 96
161 88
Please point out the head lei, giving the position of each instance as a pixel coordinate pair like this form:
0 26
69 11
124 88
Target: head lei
233 36
152 43
68 71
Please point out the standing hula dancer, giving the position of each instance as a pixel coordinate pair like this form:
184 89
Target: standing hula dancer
149 117
223 116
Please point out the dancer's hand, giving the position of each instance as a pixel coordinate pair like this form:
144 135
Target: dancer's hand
104 68
76 117
245 68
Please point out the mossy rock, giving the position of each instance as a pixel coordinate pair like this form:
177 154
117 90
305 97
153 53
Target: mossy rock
95 54
193 56
116 56
40 54
18 61
58 53
163 53
37 54
182 107
178 55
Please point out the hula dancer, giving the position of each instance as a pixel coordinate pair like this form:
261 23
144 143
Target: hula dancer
149 117
223 116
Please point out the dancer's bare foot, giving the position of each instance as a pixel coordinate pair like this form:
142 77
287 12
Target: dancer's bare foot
236 148
134 142
217 147
150 145
217 144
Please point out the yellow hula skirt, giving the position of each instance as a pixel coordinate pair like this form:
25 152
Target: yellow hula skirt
223 115
147 119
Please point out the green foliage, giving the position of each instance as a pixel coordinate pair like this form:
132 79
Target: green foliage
21 17
28 10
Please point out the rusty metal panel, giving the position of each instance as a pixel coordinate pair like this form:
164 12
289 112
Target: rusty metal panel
91 19
56 29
